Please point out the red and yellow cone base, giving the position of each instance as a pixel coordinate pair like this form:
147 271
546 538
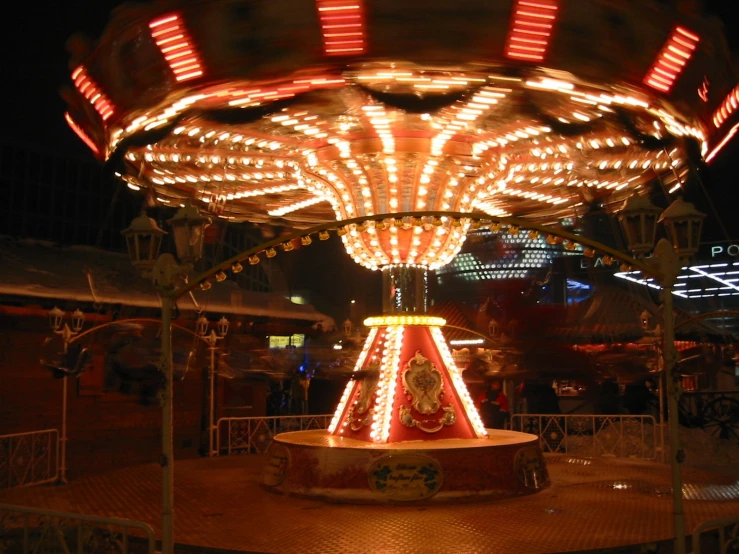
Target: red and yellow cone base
406 387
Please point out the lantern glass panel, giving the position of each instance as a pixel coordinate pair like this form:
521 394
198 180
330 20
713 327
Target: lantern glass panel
196 241
188 240
55 318
145 248
648 229
201 326
684 236
223 326
640 230
132 247
154 246
78 320
181 241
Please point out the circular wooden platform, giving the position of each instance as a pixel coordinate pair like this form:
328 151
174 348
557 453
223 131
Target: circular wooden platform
316 464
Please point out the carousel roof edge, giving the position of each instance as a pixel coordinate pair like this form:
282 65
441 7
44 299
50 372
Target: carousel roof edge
41 269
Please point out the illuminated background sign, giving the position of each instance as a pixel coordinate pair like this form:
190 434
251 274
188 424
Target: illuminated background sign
710 282
283 342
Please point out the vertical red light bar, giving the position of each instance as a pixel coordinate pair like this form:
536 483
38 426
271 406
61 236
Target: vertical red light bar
531 29
90 90
342 26
672 59
177 47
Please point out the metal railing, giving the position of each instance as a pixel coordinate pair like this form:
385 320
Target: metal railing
29 458
726 531
26 530
253 435
622 436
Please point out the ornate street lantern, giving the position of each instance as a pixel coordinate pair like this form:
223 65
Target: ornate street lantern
56 316
78 320
188 227
223 326
143 240
683 224
638 220
201 326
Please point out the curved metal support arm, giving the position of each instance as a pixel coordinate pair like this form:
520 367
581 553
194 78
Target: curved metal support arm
132 320
471 331
644 266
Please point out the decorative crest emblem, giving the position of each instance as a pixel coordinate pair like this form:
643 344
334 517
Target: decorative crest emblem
424 384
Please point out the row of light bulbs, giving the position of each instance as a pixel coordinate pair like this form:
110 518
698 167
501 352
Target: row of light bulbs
216 95
345 202
422 224
383 408
245 97
420 201
343 146
459 384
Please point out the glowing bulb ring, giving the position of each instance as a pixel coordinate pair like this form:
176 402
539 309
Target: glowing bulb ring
389 320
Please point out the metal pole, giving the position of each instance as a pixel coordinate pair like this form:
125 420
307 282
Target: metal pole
63 438
167 458
212 398
662 411
676 453
66 336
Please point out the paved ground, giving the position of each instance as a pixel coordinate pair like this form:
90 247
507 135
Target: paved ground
592 504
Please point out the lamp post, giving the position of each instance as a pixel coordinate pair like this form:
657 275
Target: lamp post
657 332
143 240
682 223
56 320
211 339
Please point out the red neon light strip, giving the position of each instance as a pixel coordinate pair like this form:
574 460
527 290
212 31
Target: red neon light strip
672 59
177 47
730 135
728 107
531 29
80 133
342 27
90 90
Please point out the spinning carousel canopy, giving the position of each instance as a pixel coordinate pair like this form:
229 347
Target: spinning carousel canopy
301 111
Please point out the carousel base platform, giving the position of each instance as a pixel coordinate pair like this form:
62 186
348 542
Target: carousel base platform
315 464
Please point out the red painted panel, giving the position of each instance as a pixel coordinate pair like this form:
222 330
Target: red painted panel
418 339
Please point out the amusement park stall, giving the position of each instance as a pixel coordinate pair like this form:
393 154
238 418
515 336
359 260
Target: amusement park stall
113 411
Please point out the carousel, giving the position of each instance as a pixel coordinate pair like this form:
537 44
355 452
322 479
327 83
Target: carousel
394 123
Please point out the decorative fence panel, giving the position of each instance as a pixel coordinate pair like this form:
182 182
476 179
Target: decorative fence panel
29 458
720 536
29 530
619 436
253 435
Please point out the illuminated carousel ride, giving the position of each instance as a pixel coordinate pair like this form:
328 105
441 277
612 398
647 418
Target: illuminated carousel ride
299 113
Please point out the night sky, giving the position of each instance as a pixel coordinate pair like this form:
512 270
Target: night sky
35 67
